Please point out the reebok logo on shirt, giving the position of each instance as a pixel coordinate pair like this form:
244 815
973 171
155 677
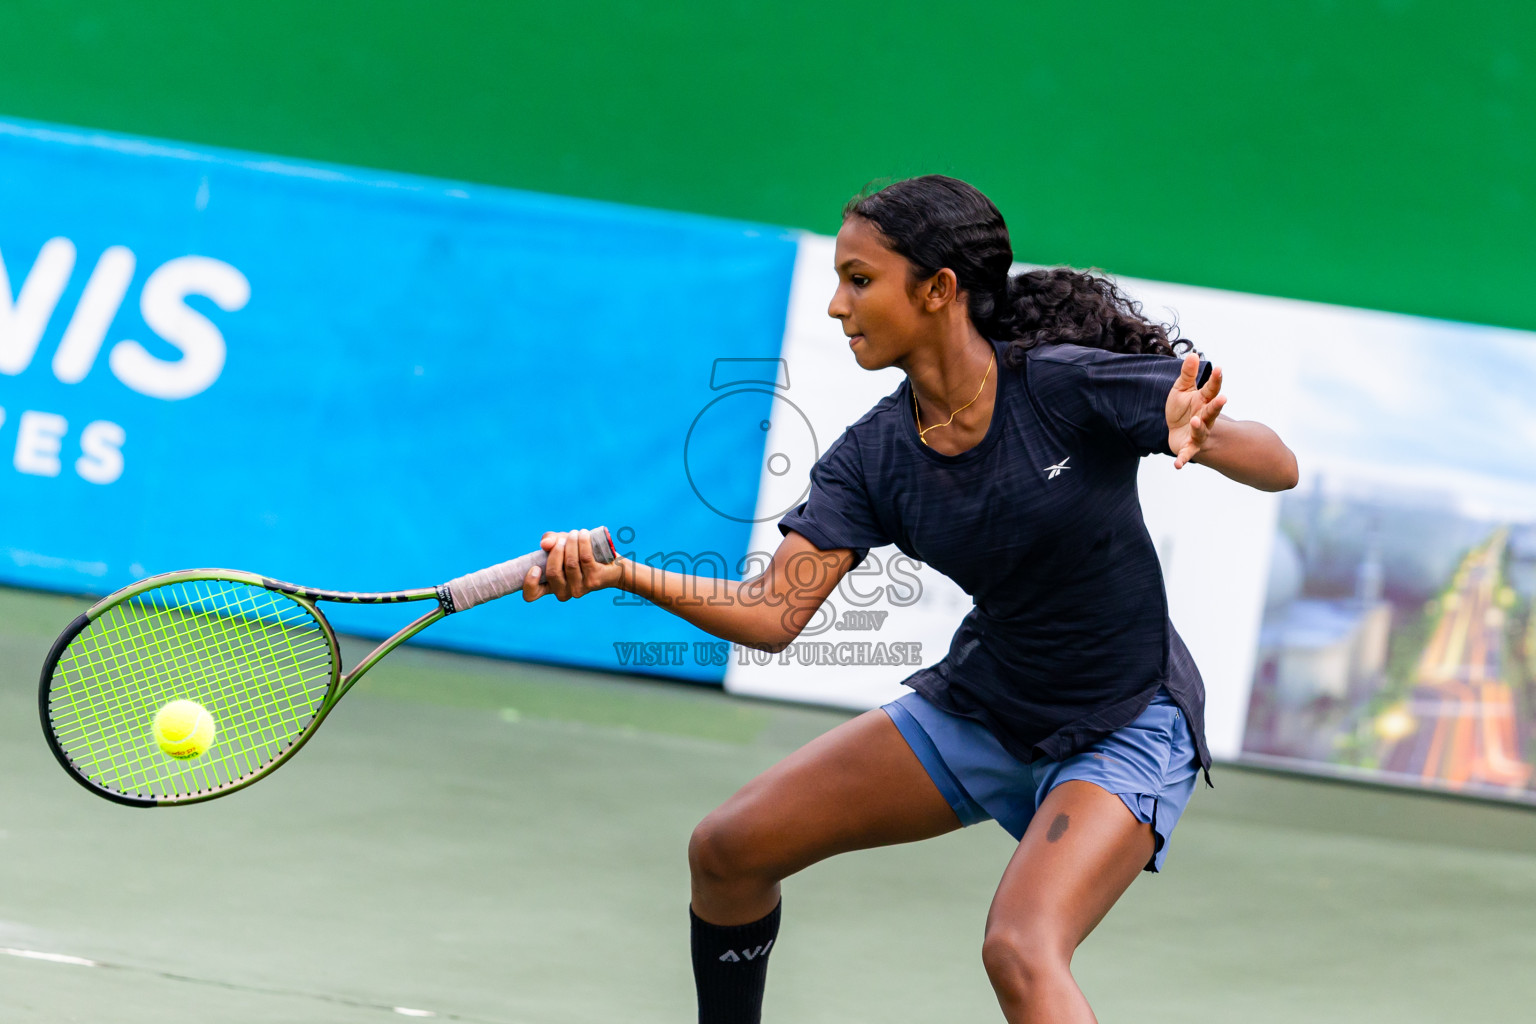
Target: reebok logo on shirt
1052 472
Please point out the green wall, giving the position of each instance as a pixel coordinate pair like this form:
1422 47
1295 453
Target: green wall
1378 154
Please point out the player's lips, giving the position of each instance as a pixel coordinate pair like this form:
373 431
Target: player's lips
854 339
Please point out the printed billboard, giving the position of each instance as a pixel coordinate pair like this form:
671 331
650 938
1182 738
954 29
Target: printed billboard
1398 639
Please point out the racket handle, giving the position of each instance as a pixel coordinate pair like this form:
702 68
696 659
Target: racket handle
501 580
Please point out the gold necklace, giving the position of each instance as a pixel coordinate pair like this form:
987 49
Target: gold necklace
918 416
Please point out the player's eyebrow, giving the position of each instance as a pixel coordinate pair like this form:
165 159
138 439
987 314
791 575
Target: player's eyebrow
850 263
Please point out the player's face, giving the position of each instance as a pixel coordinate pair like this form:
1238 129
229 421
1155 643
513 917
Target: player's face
877 301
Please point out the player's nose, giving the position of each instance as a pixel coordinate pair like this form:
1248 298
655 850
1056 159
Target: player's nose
838 308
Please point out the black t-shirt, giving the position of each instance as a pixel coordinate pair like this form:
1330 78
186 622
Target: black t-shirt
1041 525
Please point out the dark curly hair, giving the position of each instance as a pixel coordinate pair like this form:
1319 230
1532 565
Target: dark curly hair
936 221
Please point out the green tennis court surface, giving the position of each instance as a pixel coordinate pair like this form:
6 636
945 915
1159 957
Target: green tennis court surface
494 842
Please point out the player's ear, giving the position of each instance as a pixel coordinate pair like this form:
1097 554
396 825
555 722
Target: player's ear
940 290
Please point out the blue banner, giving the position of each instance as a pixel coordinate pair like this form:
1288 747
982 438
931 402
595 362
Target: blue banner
363 382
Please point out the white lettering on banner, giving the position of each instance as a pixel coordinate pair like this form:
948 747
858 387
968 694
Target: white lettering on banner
167 314
39 437
24 314
100 302
101 447
40 440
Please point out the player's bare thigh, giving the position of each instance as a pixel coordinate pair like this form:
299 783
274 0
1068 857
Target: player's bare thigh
856 787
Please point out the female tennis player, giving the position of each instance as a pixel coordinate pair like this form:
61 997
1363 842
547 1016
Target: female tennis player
1067 708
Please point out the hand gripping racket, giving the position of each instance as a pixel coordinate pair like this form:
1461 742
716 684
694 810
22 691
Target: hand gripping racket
254 651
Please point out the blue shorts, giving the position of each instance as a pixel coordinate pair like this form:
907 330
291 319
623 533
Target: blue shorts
1150 764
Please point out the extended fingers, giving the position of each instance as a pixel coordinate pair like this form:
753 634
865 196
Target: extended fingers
1197 435
1212 411
1200 426
1212 386
1188 373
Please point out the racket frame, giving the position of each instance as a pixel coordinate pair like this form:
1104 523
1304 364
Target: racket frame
307 598
458 594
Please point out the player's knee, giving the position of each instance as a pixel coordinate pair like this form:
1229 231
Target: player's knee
719 851
1021 960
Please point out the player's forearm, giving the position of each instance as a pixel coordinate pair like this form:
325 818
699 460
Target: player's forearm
743 612
1250 453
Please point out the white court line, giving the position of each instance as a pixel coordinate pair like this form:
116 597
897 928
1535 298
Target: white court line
80 961
57 958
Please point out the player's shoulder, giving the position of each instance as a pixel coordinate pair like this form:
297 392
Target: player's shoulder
1055 367
884 417
868 435
1063 353
1057 374
1077 356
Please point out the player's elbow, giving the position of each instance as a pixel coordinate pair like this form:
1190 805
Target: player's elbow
791 622
775 638
771 644
1287 475
1292 475
771 621
1275 471
759 633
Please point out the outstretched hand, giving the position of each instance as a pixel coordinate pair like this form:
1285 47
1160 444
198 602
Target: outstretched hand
1192 411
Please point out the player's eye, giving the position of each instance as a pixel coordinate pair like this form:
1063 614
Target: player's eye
859 280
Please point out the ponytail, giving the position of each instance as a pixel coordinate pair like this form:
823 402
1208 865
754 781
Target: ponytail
1060 306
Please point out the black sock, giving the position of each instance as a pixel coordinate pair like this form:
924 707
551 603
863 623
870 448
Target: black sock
730 968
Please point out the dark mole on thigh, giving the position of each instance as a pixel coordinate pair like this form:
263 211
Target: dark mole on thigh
1058 828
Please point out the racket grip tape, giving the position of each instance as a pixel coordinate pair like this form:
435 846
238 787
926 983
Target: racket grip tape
501 580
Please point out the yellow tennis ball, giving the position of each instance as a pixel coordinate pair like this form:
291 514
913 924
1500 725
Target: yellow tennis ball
184 729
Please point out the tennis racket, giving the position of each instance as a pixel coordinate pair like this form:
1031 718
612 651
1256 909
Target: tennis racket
254 651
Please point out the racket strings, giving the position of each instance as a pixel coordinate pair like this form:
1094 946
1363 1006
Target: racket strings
115 713
257 660
219 668
220 659
224 664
